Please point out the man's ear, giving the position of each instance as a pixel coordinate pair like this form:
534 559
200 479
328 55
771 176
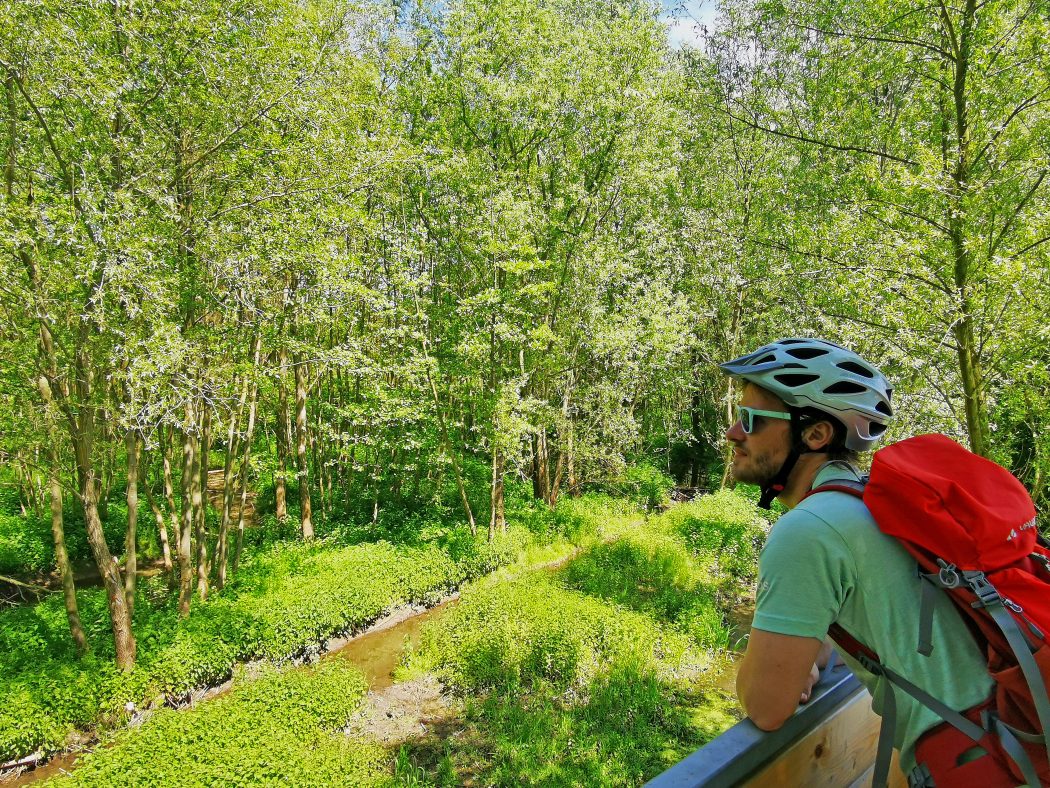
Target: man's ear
818 437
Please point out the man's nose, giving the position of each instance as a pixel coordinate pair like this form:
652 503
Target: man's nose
736 432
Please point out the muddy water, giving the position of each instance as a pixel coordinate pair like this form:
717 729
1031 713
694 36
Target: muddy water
378 653
740 618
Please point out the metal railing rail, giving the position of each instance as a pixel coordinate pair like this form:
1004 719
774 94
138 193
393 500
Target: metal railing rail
744 750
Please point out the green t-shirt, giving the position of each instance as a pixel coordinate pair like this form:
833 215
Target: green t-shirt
826 561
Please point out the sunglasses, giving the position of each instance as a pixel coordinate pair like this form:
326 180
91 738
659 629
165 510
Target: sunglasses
747 417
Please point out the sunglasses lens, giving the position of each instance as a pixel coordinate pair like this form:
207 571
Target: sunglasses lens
746 419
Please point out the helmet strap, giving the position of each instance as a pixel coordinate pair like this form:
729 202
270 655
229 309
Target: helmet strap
778 483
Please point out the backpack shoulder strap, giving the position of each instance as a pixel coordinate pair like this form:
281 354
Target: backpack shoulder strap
849 486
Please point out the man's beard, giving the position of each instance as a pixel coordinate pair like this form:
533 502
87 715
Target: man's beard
760 469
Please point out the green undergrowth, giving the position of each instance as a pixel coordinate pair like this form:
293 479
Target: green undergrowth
602 673
287 599
27 546
280 729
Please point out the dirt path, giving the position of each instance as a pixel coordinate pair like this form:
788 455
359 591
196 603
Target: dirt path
216 486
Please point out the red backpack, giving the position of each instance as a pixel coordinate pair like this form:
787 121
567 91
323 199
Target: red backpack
971 526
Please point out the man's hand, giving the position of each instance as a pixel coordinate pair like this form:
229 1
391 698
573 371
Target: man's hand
814 677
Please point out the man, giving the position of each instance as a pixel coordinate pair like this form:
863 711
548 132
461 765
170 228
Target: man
807 409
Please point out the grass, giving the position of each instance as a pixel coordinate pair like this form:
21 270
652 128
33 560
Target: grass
287 600
598 674
280 729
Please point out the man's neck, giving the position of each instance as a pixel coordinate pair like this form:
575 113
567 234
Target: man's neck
801 479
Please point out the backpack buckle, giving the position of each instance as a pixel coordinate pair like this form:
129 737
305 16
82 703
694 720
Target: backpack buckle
872 666
948 576
985 592
920 777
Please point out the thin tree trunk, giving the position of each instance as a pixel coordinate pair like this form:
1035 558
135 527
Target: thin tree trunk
165 437
443 427
131 541
228 485
58 531
190 502
570 460
83 429
283 438
162 524
253 406
202 504
967 347
301 439
540 468
497 518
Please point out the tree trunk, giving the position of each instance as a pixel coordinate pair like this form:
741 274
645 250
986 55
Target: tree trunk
131 540
443 428
253 406
202 504
190 503
169 486
540 467
570 460
301 439
280 484
497 518
83 432
227 486
967 347
162 523
58 532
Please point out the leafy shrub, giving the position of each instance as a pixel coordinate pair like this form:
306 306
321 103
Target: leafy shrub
643 484
282 728
27 547
531 630
725 530
25 544
653 572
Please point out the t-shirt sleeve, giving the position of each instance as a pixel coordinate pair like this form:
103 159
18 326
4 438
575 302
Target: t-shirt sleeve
805 573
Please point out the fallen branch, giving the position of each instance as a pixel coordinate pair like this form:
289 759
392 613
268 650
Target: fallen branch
20 584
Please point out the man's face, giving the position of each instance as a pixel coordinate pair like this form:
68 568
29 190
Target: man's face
757 457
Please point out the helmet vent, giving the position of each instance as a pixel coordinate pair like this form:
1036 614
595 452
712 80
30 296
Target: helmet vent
806 352
856 369
795 379
883 408
875 429
766 359
845 387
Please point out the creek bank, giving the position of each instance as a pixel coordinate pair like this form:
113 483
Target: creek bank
375 649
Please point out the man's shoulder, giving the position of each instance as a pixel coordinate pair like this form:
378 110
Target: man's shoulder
839 520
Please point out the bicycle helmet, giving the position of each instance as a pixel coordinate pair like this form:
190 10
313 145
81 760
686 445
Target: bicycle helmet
819 374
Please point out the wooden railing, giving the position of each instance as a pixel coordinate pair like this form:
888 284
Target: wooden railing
829 741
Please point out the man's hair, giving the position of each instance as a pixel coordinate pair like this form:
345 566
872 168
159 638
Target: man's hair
836 448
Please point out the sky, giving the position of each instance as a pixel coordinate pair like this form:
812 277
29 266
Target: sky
684 18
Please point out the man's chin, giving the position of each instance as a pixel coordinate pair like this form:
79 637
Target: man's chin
746 476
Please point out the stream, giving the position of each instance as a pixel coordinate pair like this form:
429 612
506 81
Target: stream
377 652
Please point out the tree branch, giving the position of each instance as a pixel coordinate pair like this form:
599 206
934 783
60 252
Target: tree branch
820 143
